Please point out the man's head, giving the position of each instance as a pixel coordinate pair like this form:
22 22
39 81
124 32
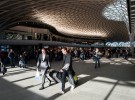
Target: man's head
11 50
64 50
43 51
97 49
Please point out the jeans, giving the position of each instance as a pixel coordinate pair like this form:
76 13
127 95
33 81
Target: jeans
69 74
97 62
12 62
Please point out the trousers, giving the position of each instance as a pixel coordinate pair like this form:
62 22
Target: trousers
68 74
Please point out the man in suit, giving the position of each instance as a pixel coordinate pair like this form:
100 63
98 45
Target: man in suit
44 64
67 69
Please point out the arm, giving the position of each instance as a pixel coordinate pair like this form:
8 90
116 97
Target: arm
9 55
99 53
49 65
38 62
67 62
66 66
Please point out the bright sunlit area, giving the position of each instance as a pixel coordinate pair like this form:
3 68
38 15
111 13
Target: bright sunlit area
114 79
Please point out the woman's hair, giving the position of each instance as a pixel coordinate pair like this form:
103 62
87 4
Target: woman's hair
44 49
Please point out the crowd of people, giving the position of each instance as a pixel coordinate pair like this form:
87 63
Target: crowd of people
55 54
44 57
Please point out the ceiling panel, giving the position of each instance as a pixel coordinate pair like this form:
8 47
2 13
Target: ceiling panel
79 18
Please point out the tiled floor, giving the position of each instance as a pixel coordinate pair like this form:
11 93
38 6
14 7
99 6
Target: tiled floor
115 80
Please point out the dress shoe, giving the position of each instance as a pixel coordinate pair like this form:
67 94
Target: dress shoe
72 88
41 88
62 92
3 73
55 82
49 83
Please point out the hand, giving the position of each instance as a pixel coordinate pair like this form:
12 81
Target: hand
48 70
61 70
38 69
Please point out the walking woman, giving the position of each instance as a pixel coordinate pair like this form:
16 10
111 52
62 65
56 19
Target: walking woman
43 64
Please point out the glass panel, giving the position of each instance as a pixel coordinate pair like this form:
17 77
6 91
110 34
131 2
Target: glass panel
117 11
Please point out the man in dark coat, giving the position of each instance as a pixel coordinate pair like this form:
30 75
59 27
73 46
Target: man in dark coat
67 69
11 56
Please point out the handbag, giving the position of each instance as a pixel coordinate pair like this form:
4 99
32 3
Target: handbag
37 76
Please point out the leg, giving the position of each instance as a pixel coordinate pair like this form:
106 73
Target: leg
63 80
48 80
43 80
71 79
3 71
51 75
43 72
12 62
98 63
95 63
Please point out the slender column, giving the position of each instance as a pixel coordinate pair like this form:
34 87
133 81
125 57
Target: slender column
131 43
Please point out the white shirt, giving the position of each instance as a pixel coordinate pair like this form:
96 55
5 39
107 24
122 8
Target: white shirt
43 56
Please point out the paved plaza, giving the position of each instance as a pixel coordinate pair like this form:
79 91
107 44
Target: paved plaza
115 80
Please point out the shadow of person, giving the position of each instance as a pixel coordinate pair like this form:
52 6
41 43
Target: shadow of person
83 80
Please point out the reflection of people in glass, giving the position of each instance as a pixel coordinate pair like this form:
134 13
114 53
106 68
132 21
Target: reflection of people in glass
97 58
11 56
67 69
43 63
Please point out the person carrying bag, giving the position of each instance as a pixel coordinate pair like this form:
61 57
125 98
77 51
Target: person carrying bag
43 64
3 69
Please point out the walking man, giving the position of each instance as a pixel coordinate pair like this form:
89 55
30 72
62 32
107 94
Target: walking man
67 69
97 55
11 56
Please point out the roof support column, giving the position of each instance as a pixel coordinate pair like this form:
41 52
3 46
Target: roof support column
131 43
50 36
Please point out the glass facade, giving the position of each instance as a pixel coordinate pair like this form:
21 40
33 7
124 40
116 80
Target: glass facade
117 11
119 44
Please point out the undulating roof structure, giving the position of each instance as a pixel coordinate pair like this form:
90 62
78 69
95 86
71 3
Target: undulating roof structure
102 19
